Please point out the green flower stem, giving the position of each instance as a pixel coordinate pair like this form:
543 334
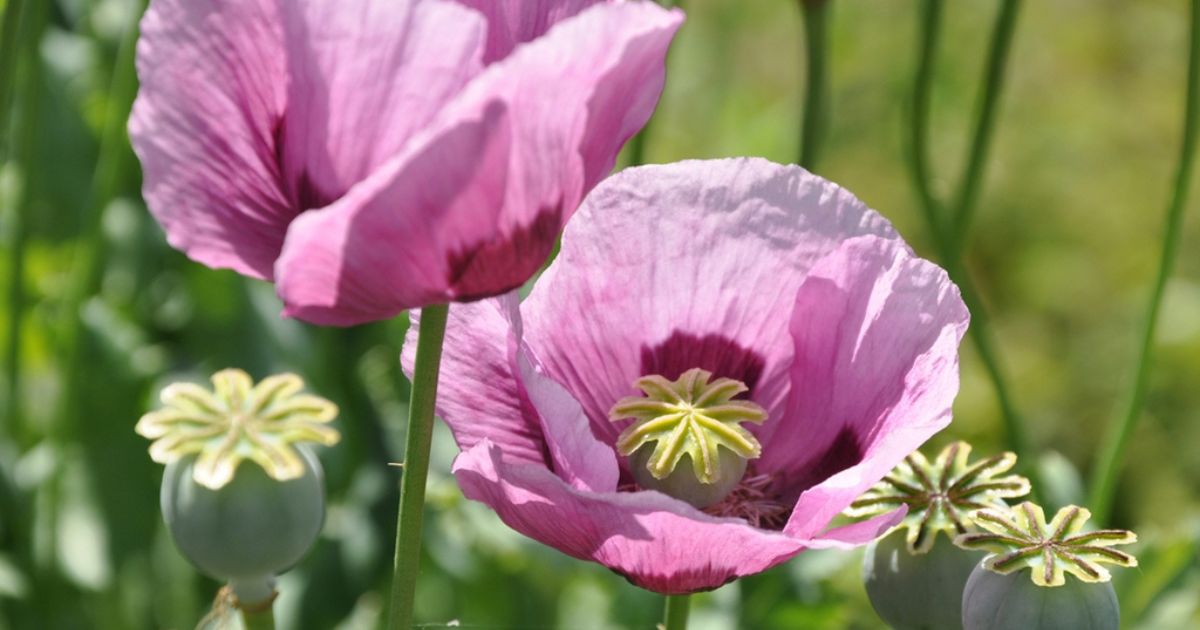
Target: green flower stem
87 262
260 620
816 44
675 617
931 20
416 464
985 123
943 234
12 46
637 145
1108 461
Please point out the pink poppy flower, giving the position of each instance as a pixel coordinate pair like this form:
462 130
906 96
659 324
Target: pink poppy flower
375 155
806 316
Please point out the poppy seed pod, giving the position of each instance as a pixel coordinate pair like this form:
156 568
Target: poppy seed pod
252 527
992 601
912 581
1000 596
917 591
241 523
695 419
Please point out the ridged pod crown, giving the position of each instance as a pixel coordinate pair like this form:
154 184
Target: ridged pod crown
943 494
236 421
1021 538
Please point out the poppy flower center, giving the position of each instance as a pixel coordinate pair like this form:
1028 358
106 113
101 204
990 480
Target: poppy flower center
694 418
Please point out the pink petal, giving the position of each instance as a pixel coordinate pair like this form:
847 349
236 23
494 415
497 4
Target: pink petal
491 387
694 264
513 22
383 247
212 90
860 533
479 397
365 76
656 542
579 458
472 206
876 333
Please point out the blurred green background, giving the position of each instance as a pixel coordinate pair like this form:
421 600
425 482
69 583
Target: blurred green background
99 313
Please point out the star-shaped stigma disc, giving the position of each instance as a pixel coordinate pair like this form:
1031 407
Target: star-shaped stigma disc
941 495
1020 537
236 421
692 416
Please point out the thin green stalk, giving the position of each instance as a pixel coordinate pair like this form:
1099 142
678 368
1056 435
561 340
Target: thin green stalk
816 47
16 42
21 71
1108 461
259 620
985 124
416 464
931 28
637 145
980 329
981 335
675 617
10 44
87 260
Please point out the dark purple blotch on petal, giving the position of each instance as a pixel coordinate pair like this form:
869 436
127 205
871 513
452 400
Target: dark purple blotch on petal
303 193
718 354
680 582
499 266
844 451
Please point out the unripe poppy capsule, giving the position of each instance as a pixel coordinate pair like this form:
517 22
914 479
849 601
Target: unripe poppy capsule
1066 585
992 601
242 495
695 419
252 527
917 591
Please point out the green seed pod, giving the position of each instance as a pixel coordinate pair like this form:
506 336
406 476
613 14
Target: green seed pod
1066 586
913 581
252 527
992 601
682 484
694 418
242 497
917 591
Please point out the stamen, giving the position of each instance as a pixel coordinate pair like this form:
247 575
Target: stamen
752 501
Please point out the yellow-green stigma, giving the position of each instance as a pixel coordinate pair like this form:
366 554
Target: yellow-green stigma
238 421
693 417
